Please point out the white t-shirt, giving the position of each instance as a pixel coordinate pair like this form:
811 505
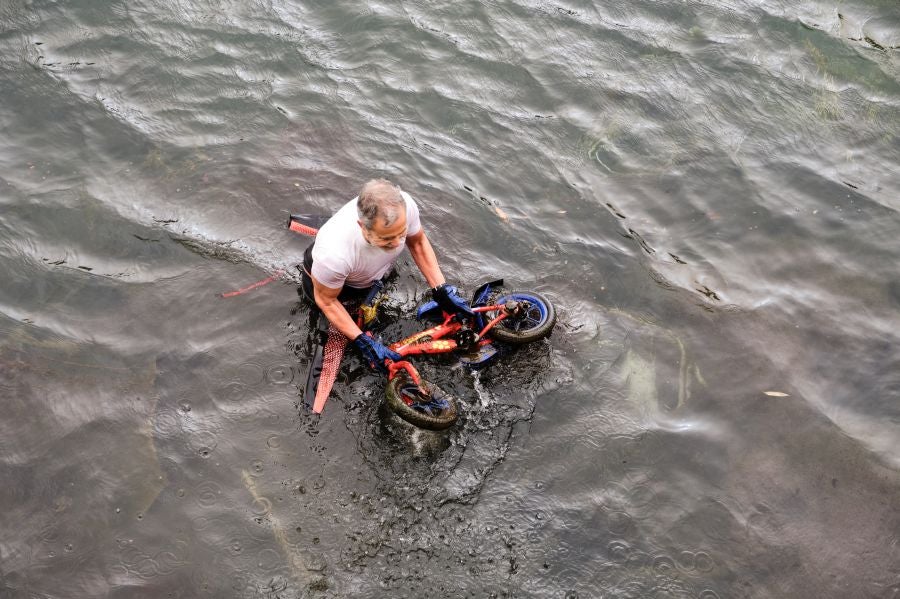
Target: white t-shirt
342 256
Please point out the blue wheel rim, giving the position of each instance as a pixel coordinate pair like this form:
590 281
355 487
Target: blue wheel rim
535 316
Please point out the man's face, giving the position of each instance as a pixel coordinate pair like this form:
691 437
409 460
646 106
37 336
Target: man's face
386 237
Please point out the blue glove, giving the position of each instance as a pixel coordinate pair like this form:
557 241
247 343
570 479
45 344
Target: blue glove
447 297
375 352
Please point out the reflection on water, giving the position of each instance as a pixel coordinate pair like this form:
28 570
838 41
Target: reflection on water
707 193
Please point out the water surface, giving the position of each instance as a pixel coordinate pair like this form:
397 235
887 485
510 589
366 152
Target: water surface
707 191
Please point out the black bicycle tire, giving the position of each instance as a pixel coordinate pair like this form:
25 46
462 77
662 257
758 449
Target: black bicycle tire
506 335
395 402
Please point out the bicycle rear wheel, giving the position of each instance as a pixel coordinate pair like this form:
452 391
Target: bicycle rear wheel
535 321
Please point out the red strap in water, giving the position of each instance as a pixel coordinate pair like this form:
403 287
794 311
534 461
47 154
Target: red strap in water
266 281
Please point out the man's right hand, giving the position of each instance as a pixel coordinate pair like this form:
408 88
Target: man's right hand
375 352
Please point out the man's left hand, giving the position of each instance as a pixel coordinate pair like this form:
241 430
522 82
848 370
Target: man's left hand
447 297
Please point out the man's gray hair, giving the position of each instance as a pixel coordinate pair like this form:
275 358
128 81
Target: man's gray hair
380 199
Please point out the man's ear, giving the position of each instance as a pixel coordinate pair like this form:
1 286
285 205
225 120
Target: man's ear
364 231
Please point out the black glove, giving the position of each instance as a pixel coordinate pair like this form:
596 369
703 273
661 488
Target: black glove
375 352
447 297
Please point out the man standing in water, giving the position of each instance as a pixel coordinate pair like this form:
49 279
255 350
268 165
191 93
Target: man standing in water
356 247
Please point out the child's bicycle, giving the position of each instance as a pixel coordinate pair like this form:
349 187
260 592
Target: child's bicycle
510 317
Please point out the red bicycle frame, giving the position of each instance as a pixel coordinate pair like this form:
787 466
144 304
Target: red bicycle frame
411 346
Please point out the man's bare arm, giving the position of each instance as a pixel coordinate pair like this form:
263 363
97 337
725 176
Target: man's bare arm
424 257
327 300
